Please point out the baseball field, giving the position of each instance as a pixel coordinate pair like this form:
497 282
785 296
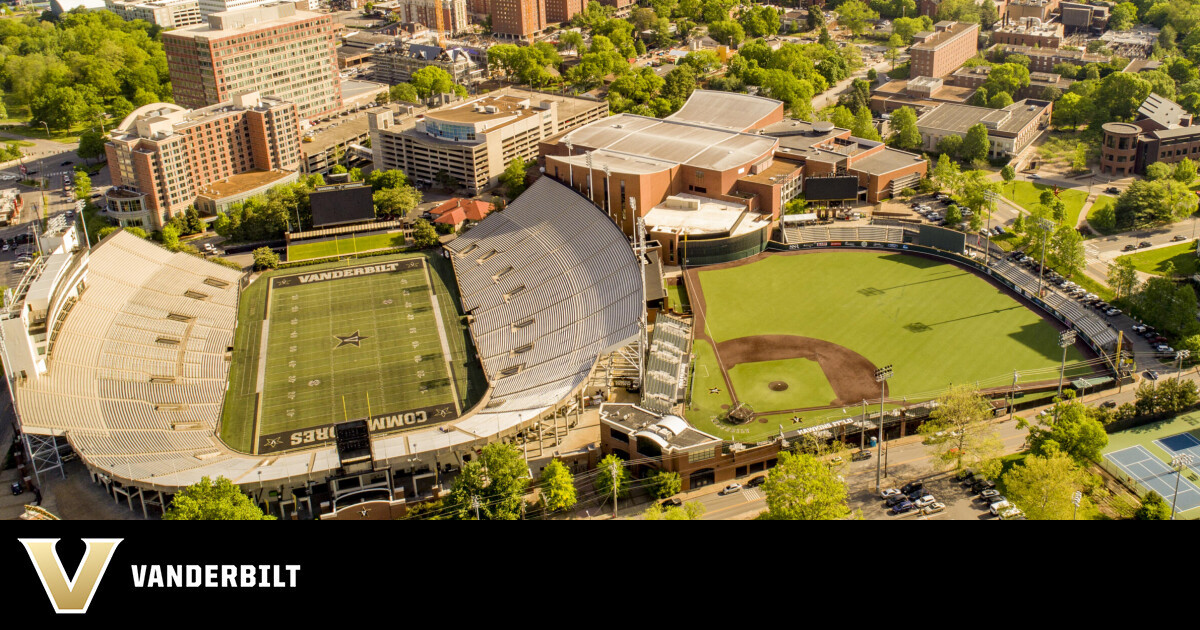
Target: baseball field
798 337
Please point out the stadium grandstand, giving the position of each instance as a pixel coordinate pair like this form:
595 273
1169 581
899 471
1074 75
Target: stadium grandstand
666 366
139 371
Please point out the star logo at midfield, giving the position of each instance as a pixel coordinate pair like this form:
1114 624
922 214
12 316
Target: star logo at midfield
443 412
350 340
273 442
283 282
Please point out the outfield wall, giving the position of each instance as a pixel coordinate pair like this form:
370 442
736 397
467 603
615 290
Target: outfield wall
959 259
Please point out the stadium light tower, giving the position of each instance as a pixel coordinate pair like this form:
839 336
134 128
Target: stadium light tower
1179 462
1047 225
881 376
1179 358
1066 339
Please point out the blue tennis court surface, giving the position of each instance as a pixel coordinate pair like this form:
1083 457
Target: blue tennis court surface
1182 443
1153 474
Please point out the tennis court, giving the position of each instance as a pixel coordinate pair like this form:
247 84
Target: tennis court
1153 474
1182 443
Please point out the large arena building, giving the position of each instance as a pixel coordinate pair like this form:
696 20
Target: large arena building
124 352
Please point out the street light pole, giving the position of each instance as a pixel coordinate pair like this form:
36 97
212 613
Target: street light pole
1179 357
1046 225
1075 499
881 376
1179 462
1066 339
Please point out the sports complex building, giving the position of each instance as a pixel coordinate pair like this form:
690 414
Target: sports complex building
338 389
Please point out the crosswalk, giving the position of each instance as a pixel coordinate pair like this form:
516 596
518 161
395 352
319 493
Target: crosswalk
751 494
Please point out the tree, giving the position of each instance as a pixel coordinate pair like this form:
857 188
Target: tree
265 258
854 15
815 19
690 511
950 145
513 177
495 482
1008 173
1185 171
1157 170
338 169
975 145
665 483
83 185
953 216
1069 430
727 32
1123 16
802 488
432 80
1146 203
208 500
864 126
391 178
404 92
1067 250
1154 507
960 432
169 236
1000 100
1071 110
1119 95
423 234
1122 277
570 40
557 486
610 472
395 202
905 134
894 44
1044 486
91 145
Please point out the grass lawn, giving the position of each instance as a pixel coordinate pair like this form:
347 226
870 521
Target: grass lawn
1102 202
344 245
1026 194
936 323
1182 256
313 379
677 298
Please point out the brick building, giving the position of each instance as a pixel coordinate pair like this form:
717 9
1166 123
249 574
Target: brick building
163 156
559 11
941 51
1038 82
275 50
1010 130
518 19
1040 9
1044 59
1029 32
1162 132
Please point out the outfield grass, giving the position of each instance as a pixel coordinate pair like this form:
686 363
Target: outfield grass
344 245
936 323
1154 261
1102 201
307 374
1026 194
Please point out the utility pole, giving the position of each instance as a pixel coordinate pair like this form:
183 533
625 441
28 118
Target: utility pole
614 469
1012 395
881 376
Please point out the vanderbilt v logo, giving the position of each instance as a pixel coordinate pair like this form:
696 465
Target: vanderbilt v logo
74 596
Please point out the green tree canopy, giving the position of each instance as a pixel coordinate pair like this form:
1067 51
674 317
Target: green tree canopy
513 177
855 15
610 472
905 134
1043 486
557 486
960 431
264 258
496 481
665 484
424 235
208 500
975 145
690 511
1069 430
802 488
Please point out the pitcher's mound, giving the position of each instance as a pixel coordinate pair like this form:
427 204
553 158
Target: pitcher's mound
778 386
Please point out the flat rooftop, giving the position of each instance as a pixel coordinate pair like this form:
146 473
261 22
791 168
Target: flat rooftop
779 168
673 141
958 118
331 134
702 216
886 161
242 183
940 38
726 110
207 32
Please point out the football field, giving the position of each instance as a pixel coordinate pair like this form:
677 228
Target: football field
375 341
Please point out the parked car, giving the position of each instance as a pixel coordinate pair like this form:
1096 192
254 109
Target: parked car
997 508
901 508
859 456
896 499
1112 190
756 481
1152 375
964 474
731 488
888 492
1113 312
672 502
1034 176
999 498
67 163
1138 328
933 508
911 486
925 500
1145 244
1108 404
987 494
986 484
17 488
1178 237
1012 514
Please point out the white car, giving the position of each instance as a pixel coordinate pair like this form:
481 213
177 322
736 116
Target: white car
21 265
933 508
888 492
1034 176
925 501
6 247
997 508
732 488
1011 513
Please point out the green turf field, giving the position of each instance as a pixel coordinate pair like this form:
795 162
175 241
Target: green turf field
936 323
317 372
344 245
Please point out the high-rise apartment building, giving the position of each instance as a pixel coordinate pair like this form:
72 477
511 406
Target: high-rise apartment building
941 51
208 7
163 13
559 11
454 13
519 19
275 50
163 156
